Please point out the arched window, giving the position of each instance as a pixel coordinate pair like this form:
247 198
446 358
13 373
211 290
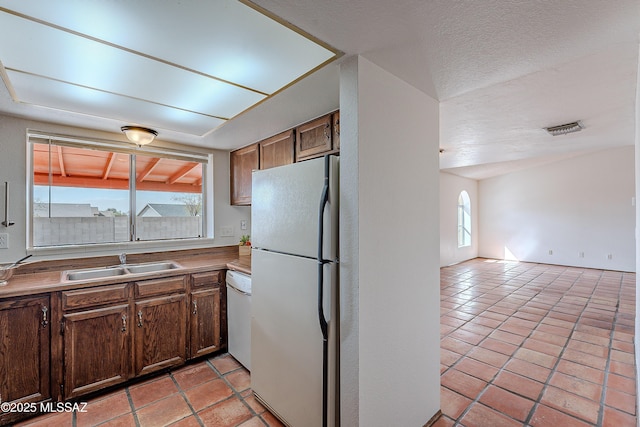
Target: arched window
464 219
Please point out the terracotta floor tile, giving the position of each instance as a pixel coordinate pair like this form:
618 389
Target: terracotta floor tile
164 412
489 357
192 375
225 363
453 404
624 369
477 369
576 385
621 383
253 422
230 412
581 371
589 348
444 421
271 420
619 400
519 385
571 404
105 408
585 359
466 336
462 383
253 403
208 394
499 346
615 418
535 357
148 392
482 416
48 420
457 346
191 421
508 337
545 416
240 380
527 369
126 420
507 403
448 357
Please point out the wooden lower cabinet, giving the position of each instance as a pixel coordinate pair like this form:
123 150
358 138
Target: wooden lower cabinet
205 322
160 333
24 352
70 343
97 349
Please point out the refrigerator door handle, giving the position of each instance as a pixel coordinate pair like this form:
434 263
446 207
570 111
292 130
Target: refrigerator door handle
324 199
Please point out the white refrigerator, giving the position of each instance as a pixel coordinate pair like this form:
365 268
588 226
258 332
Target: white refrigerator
295 306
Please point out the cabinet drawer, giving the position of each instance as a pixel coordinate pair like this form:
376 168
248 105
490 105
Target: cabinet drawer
82 298
160 286
207 278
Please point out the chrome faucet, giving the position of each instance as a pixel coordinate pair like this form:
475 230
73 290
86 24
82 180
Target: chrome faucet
123 258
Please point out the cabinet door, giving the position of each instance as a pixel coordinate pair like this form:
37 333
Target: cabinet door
205 321
242 162
97 349
160 333
277 150
24 350
313 138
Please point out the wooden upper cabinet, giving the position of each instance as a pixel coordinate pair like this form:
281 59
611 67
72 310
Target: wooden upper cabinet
314 138
277 150
336 130
242 163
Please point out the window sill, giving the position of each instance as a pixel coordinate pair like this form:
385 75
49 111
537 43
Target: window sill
53 252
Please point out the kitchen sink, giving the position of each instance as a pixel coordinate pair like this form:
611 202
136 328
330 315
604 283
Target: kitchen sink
94 273
151 267
121 270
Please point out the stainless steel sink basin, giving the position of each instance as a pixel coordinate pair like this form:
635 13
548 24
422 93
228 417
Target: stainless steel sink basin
120 270
151 267
94 273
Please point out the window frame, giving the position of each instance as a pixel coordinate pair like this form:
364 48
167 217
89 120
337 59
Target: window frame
201 156
464 212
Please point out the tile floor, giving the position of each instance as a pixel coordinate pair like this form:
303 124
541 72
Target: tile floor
526 344
522 345
214 393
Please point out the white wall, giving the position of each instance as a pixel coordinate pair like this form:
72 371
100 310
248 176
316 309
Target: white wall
574 206
450 188
13 168
389 266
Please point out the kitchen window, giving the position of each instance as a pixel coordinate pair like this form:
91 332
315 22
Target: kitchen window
89 192
464 219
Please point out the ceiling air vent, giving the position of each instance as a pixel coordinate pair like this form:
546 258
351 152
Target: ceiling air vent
566 128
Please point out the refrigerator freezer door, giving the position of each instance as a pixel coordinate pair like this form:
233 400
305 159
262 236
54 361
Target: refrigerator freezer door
284 208
286 341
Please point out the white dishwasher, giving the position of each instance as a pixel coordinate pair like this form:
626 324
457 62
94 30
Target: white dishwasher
239 316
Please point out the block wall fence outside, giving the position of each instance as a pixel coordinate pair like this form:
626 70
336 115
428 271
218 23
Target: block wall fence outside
77 230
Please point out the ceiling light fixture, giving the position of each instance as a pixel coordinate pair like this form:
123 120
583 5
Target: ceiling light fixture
139 135
565 129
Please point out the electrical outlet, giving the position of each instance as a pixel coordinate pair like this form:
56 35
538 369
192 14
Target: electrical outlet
4 241
609 256
226 231
243 224
550 251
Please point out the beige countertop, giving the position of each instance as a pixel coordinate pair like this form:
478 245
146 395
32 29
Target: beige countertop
46 276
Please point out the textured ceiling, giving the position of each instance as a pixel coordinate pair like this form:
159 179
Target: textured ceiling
502 70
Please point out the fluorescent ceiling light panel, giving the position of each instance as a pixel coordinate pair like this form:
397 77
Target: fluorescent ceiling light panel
212 58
